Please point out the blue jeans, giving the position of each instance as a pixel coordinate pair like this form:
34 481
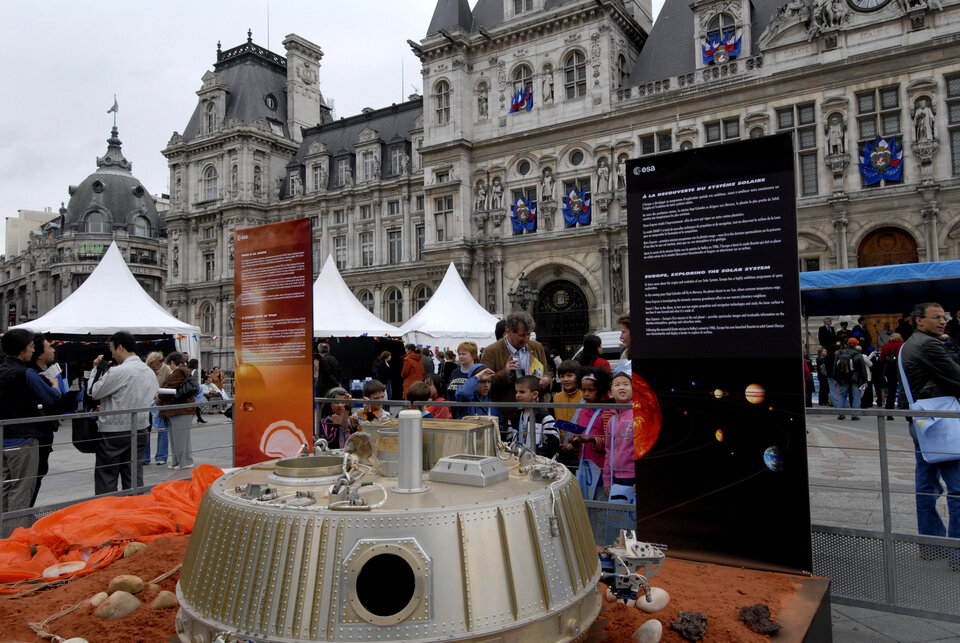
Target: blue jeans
833 392
844 390
161 445
929 487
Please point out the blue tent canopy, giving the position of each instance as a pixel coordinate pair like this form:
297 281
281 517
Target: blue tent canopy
880 289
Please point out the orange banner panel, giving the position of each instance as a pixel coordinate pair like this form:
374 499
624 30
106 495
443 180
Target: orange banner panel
273 341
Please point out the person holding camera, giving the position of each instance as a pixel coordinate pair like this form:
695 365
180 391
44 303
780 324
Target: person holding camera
124 382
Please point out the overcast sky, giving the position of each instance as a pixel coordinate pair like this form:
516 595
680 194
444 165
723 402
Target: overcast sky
66 59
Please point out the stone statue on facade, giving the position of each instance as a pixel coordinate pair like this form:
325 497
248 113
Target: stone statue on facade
622 174
546 88
483 102
496 201
347 177
176 261
296 187
603 176
404 164
546 186
480 196
835 135
923 121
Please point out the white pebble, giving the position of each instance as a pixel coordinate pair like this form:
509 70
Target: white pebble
649 632
97 599
117 606
658 600
76 639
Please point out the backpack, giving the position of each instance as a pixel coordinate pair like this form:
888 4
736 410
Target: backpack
844 368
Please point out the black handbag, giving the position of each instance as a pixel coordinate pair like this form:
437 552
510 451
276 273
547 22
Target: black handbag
86 432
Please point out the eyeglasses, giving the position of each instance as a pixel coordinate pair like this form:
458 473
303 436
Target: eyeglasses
937 317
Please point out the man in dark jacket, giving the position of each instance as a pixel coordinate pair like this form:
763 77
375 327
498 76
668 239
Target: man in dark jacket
43 358
827 336
22 390
329 371
850 372
930 373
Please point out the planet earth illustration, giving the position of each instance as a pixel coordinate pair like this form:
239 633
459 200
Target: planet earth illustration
772 459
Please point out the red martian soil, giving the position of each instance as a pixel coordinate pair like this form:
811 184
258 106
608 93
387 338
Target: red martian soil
728 589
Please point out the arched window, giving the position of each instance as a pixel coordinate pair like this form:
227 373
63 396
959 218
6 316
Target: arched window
621 71
686 145
394 306
95 222
441 100
421 296
206 318
522 78
756 132
719 26
366 298
210 184
575 74
211 118
141 226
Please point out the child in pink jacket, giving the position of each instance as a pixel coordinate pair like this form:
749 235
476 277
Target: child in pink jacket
619 471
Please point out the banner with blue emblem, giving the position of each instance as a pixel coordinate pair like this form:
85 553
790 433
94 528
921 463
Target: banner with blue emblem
720 51
523 217
576 208
522 100
881 160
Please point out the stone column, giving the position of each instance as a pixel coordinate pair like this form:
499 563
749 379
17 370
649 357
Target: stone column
605 283
840 226
353 253
378 237
324 236
408 235
498 278
930 215
377 301
405 310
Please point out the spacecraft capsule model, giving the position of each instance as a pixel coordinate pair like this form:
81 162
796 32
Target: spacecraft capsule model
468 541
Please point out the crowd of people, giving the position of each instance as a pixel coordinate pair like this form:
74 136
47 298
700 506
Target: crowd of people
857 370
32 386
918 360
596 443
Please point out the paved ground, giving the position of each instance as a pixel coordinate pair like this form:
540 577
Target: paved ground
844 492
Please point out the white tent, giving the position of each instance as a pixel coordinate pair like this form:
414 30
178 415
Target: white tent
451 316
111 300
338 313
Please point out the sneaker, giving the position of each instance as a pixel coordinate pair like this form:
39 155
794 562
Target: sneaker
171 466
890 417
841 417
855 418
158 462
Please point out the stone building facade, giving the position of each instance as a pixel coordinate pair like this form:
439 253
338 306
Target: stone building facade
527 100
109 205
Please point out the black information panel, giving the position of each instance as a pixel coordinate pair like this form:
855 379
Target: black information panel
715 306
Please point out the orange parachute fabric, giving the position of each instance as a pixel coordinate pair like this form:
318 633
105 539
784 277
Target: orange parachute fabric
96 531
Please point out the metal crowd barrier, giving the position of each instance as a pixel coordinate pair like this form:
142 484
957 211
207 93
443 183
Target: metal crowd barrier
886 569
878 569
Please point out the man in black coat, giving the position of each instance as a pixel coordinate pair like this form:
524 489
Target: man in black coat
329 371
827 336
931 372
22 390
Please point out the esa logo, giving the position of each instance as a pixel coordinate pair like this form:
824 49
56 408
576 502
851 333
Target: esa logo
646 168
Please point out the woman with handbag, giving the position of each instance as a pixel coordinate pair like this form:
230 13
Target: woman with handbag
163 371
180 420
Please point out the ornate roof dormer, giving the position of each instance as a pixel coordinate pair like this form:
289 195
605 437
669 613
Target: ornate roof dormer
722 31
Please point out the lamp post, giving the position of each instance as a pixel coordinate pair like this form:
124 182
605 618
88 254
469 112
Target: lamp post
523 295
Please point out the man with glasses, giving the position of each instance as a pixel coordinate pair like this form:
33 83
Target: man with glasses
931 372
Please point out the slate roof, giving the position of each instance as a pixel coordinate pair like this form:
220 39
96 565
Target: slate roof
486 14
113 190
391 123
451 13
249 77
671 48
